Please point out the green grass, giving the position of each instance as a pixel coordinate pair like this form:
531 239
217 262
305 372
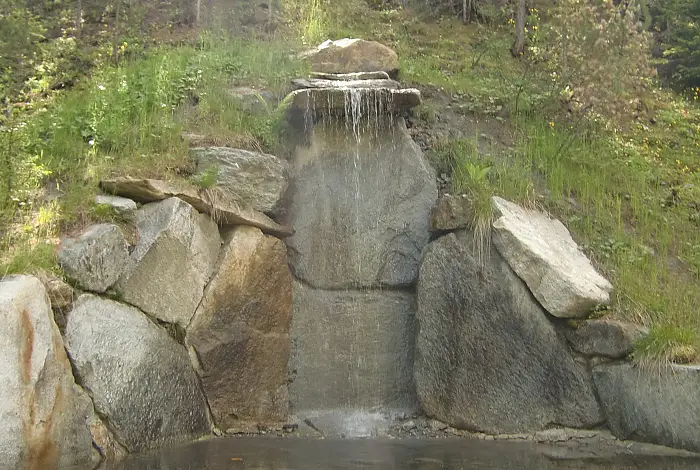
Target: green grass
128 120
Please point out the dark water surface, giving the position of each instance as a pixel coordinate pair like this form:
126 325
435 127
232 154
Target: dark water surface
405 454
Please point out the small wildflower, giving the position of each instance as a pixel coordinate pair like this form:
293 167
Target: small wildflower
101 87
551 123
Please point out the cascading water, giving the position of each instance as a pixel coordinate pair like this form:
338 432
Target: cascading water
362 193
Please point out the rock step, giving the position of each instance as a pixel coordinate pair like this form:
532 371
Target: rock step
332 100
379 75
303 83
213 202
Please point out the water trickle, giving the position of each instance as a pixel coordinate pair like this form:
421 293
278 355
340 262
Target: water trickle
353 329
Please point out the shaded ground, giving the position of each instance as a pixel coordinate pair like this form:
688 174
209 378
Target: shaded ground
454 454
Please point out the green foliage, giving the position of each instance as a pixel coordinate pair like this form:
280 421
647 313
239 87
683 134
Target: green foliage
29 258
598 56
681 22
207 179
668 344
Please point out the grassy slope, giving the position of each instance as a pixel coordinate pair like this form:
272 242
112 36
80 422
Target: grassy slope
630 198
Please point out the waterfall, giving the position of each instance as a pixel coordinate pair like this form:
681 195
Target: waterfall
360 208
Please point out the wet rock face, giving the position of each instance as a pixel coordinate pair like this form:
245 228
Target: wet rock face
240 331
487 357
360 210
139 378
660 406
43 413
352 349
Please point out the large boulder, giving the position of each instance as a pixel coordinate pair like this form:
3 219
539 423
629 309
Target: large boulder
214 202
487 357
606 338
241 330
96 258
139 378
541 251
256 180
353 55
172 262
44 415
360 207
659 405
352 349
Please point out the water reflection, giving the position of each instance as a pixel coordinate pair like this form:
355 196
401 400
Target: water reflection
303 454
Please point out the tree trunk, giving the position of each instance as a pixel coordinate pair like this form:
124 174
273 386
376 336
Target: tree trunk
115 34
199 9
519 45
79 18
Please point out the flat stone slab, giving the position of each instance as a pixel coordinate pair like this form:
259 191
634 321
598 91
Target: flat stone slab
659 405
379 75
214 202
302 83
541 251
341 100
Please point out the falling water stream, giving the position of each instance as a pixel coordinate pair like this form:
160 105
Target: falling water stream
341 187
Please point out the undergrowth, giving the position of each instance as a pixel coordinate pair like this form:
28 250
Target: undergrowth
129 120
629 191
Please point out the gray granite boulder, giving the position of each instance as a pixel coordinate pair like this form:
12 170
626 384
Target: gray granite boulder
451 213
140 379
172 262
660 405
607 338
253 179
541 251
96 258
487 357
44 415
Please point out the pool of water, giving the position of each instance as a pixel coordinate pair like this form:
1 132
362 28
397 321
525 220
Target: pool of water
404 454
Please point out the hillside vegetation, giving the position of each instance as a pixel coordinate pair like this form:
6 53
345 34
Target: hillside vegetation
582 130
